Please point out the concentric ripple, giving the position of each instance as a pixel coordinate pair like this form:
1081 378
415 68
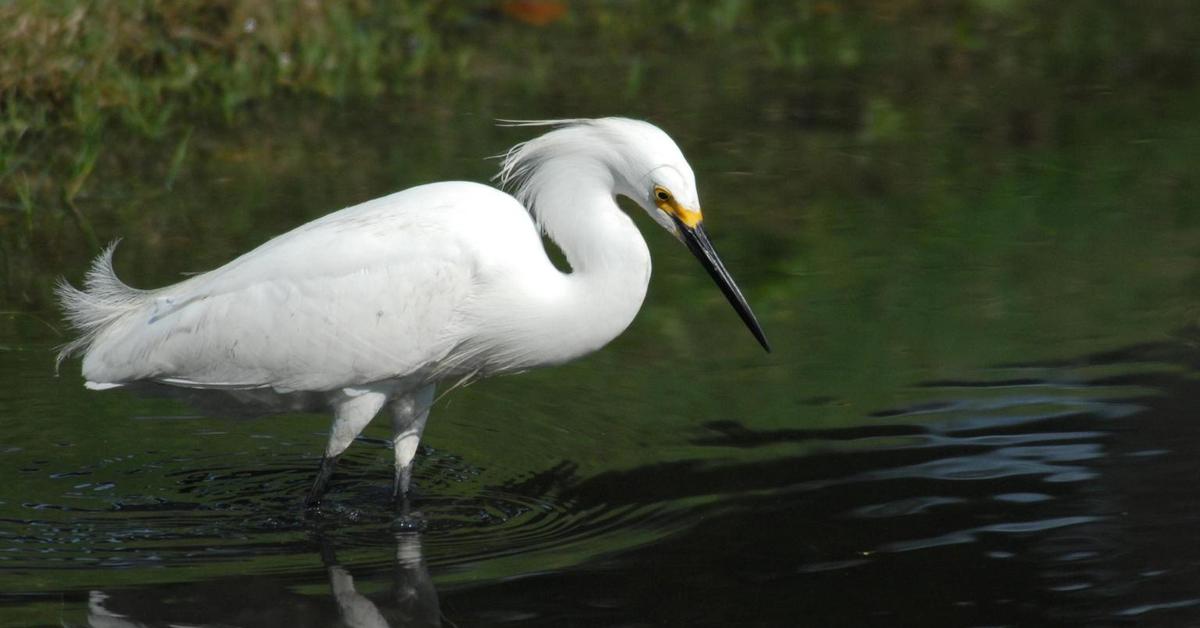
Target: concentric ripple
158 510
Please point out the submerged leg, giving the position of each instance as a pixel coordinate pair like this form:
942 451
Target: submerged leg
409 414
321 481
352 411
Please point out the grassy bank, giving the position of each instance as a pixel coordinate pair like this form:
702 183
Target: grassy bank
73 73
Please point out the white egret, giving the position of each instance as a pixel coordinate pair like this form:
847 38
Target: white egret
376 304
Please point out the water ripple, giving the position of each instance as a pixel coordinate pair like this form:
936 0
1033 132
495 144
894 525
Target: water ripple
225 511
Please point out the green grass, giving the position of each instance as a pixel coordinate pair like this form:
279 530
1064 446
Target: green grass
71 74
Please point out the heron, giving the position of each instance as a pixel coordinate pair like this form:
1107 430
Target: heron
441 284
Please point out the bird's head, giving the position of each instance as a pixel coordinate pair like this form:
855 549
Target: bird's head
659 179
646 166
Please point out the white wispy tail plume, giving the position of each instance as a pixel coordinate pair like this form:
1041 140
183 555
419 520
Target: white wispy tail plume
103 300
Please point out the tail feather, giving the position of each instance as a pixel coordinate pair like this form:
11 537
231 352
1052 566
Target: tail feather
103 300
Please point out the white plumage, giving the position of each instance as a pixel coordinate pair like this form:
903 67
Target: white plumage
377 303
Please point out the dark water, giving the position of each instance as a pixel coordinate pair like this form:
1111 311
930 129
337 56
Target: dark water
1026 494
980 410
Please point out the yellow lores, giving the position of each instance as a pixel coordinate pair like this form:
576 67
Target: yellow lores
666 202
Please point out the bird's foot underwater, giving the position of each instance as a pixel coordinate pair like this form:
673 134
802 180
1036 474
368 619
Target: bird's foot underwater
317 492
402 493
407 518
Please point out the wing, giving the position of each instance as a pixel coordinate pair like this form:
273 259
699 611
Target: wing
362 295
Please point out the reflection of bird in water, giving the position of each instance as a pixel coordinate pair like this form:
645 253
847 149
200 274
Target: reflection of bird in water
376 304
412 602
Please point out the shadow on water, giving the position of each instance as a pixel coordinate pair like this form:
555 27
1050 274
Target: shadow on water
1048 493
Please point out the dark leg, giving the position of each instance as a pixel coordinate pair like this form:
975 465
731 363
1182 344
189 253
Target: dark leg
351 413
407 519
409 413
319 484
403 477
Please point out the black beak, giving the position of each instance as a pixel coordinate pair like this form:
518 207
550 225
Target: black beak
697 242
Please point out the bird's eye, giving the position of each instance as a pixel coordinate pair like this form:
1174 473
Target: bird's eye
662 194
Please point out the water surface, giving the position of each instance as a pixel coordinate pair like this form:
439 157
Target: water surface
979 411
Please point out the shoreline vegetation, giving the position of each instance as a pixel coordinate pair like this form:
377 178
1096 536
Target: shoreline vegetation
80 83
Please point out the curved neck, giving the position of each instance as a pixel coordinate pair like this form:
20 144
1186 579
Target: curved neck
610 262
577 209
